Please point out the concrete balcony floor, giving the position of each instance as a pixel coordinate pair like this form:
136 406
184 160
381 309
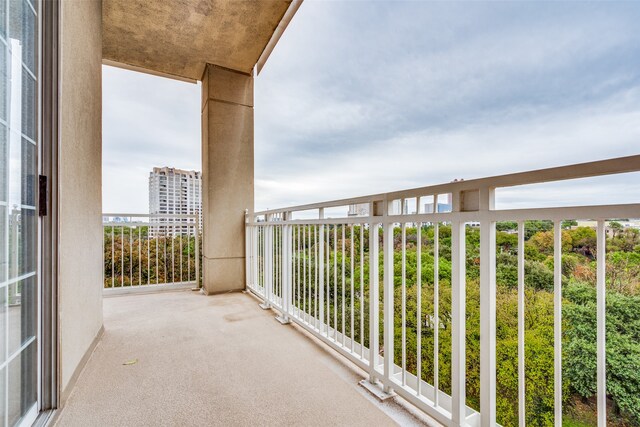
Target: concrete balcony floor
217 360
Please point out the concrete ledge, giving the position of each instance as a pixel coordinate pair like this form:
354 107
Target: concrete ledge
147 289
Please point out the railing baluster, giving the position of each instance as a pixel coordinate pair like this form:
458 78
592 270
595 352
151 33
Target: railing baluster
362 291
309 274
436 313
601 325
328 279
487 313
276 265
113 257
404 303
156 238
342 285
298 255
419 310
388 303
521 377
315 271
374 299
130 256
139 255
351 295
335 282
122 254
557 322
173 258
321 277
304 273
458 318
286 273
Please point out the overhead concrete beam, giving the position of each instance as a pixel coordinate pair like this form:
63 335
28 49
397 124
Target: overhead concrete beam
177 38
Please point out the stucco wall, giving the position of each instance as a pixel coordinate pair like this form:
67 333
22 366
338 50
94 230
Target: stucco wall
227 176
80 173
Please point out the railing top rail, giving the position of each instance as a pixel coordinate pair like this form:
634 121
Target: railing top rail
561 173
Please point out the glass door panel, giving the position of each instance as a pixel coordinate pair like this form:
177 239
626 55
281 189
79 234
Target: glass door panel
18 216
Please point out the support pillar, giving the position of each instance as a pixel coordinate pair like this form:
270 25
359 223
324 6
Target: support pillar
227 176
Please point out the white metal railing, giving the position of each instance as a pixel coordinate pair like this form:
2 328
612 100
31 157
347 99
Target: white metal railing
324 274
141 251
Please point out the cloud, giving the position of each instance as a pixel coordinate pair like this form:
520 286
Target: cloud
361 98
367 97
147 121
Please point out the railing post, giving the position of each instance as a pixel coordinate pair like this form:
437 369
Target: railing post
374 295
285 272
248 249
321 278
557 322
268 267
487 309
256 257
601 294
197 252
458 317
388 308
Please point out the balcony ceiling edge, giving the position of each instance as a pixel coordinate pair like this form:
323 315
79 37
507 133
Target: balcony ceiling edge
177 39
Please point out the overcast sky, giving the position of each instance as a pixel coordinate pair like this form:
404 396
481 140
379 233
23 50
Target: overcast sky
367 97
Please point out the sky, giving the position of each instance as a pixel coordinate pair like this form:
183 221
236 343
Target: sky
363 97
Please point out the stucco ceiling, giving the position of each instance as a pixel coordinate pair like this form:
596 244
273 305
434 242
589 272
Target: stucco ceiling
177 37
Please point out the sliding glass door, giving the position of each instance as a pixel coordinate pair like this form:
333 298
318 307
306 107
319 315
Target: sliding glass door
18 214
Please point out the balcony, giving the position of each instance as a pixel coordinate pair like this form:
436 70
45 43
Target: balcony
446 308
179 358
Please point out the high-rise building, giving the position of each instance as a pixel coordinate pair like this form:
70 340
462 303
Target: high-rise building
175 191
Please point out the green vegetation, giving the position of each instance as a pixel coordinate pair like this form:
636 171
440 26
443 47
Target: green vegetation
134 257
578 313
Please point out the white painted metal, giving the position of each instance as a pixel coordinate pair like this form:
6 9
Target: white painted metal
521 377
449 410
328 278
404 303
303 254
487 313
343 285
458 314
351 294
335 283
321 278
601 319
557 322
317 278
436 310
388 305
419 310
374 300
286 273
362 291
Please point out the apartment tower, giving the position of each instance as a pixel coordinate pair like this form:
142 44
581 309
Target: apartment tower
175 192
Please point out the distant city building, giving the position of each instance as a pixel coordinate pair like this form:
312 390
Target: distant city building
175 191
396 207
118 219
444 204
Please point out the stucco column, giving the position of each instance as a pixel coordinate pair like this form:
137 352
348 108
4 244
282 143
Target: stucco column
227 175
